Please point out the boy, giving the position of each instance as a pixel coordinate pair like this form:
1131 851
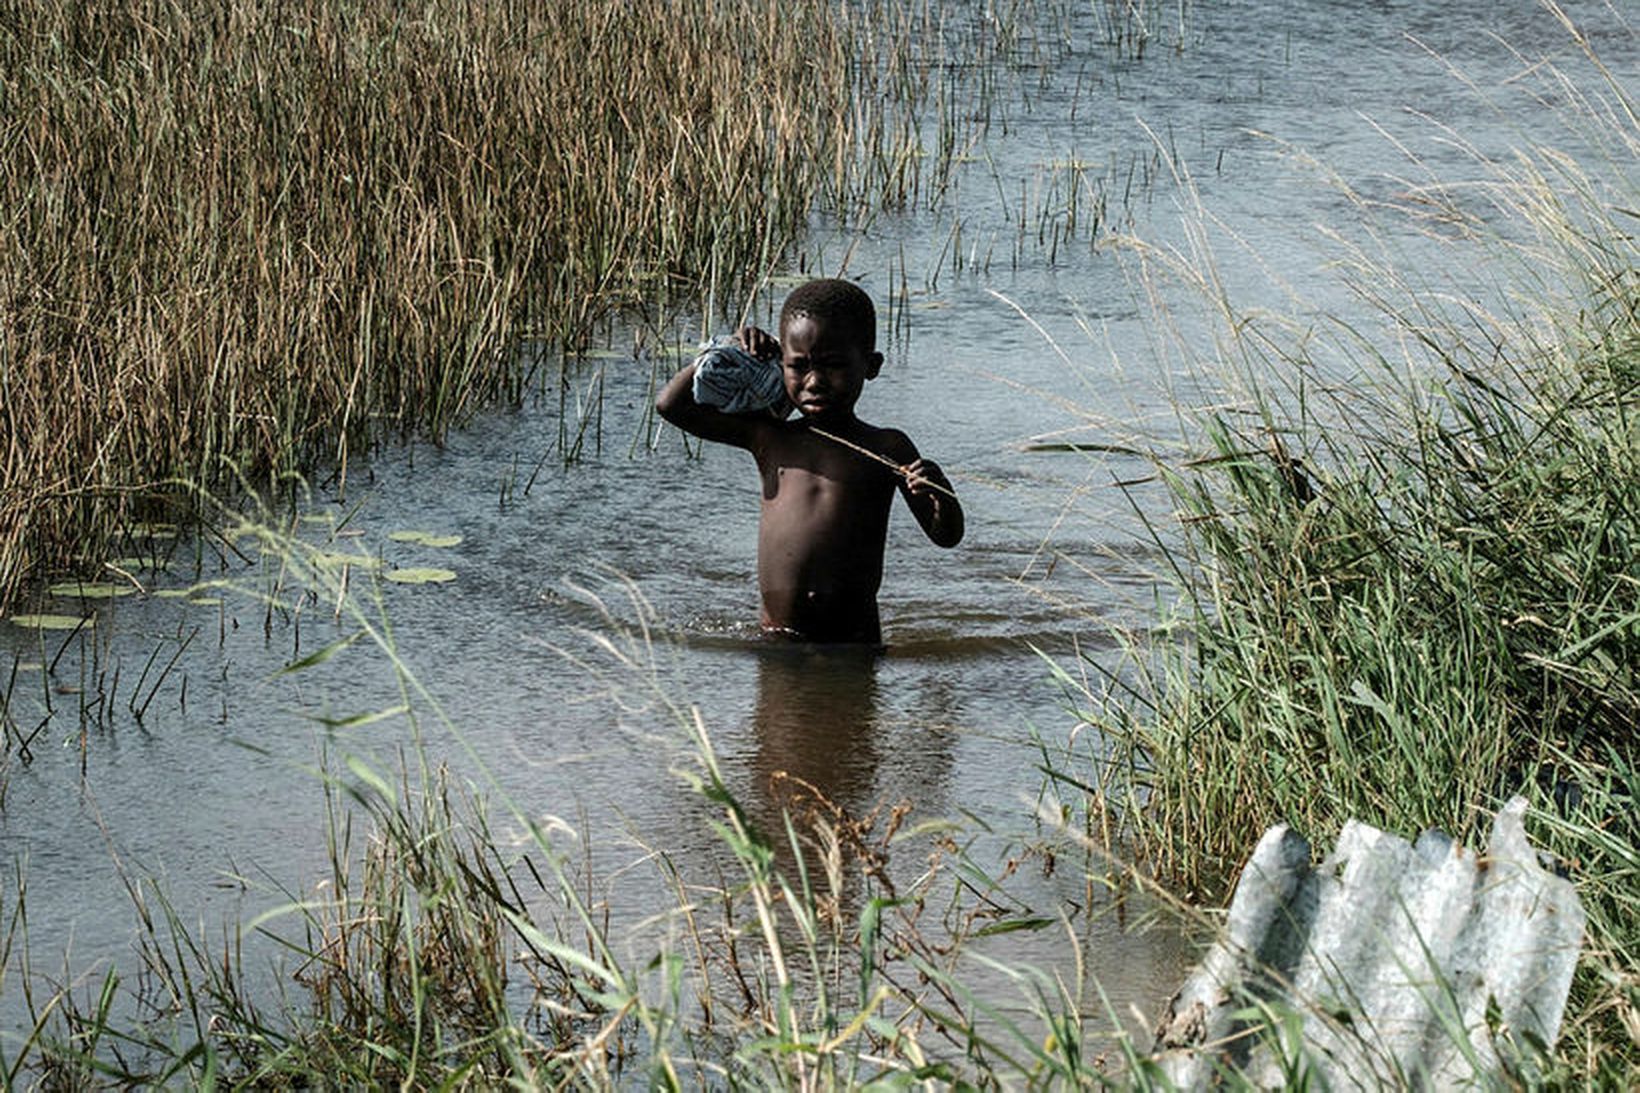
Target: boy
825 504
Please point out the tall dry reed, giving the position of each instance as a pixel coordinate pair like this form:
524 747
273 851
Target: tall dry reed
245 240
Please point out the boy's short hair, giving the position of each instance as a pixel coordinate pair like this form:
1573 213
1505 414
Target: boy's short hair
834 300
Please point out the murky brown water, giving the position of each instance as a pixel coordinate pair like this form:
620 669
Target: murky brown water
213 783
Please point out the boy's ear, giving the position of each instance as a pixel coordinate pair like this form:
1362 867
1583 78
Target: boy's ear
874 364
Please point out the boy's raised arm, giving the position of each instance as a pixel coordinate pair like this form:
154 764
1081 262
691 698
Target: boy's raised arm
676 403
929 494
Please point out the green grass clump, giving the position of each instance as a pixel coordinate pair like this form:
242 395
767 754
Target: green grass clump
1407 622
1407 580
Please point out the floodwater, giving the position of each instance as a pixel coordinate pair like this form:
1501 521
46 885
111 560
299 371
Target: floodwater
647 543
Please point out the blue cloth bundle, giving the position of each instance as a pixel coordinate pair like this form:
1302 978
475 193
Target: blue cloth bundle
734 381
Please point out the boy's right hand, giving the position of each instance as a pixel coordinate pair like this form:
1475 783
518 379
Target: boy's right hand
759 343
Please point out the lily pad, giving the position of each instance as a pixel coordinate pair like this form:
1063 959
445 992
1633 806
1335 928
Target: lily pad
91 590
51 622
424 538
195 593
420 575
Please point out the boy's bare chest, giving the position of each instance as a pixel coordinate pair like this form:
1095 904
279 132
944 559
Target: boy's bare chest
806 475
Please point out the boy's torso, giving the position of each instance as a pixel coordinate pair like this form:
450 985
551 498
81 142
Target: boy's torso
823 526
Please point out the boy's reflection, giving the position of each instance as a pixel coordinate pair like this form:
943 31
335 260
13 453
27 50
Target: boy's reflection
816 756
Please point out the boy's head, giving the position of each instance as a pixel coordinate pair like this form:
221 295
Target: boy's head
843 306
828 338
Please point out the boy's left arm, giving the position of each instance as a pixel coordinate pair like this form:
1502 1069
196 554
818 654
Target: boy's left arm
929 494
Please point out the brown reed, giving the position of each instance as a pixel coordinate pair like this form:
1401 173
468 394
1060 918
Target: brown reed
243 241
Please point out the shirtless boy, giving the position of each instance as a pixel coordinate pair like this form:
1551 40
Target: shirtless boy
825 506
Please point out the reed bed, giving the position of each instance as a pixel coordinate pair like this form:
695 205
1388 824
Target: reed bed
244 241
1404 565
248 241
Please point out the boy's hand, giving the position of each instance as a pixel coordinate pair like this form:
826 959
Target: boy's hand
759 343
924 476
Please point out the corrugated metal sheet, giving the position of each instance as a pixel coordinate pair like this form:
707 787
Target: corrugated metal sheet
1389 964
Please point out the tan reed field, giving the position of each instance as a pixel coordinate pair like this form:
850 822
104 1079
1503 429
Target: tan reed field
242 241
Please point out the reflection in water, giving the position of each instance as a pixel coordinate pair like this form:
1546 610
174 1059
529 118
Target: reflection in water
815 727
847 743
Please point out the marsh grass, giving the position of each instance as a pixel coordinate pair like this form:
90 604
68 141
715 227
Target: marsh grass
247 240
457 938
1404 563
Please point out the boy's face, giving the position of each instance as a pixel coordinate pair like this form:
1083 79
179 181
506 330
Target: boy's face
824 367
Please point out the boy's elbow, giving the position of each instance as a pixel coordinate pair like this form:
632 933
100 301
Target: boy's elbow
948 532
673 402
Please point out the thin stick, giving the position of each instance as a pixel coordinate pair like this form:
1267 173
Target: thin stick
884 460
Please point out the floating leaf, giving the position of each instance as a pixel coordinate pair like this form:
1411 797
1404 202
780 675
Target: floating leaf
51 622
205 601
424 538
421 575
91 590
192 592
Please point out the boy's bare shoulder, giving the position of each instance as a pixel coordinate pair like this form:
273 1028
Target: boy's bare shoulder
892 443
795 438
